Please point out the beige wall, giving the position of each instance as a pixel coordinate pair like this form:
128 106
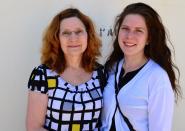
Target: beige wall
21 25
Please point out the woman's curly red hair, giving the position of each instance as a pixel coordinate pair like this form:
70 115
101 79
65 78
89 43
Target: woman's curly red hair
51 52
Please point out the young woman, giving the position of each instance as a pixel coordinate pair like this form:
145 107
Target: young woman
139 95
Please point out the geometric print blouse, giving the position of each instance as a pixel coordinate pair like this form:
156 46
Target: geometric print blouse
70 108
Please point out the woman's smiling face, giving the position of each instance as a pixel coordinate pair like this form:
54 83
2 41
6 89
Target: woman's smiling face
133 35
73 36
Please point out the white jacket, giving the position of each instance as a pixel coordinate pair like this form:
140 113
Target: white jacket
147 100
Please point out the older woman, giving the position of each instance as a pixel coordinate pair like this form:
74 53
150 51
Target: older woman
65 90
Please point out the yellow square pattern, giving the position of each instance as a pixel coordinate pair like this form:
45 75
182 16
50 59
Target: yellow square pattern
32 76
76 127
51 83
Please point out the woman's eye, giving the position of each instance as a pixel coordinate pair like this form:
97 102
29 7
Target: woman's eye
78 32
66 33
139 31
124 28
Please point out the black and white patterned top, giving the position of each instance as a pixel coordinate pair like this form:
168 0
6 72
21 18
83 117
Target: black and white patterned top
70 108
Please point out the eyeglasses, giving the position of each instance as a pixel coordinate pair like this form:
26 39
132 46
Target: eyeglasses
77 33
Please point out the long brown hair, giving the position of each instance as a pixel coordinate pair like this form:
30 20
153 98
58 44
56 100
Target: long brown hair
157 48
51 52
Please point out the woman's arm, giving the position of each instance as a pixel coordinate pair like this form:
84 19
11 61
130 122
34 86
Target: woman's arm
161 105
36 111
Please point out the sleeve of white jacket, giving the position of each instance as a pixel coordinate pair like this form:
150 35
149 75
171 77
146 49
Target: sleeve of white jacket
108 101
161 103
